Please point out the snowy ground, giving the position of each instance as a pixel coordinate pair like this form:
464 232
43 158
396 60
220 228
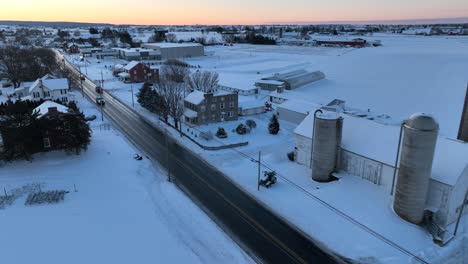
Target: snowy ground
406 75
124 211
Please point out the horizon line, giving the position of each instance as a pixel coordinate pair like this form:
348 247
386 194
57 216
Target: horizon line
415 21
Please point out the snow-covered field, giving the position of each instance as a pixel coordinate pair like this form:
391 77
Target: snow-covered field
124 211
407 74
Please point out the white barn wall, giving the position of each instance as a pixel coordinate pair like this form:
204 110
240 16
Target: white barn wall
457 196
443 198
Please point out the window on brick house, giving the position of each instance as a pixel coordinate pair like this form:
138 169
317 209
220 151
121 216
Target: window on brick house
46 142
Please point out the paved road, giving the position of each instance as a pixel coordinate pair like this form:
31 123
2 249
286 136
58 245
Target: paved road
261 232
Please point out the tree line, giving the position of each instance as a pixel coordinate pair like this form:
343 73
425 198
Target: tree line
27 64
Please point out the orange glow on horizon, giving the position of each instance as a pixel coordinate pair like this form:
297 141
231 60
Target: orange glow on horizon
181 12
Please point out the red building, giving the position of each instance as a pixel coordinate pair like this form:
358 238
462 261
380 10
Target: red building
138 72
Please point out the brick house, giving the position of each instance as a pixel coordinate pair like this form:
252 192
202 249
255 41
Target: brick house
73 48
135 72
203 108
51 137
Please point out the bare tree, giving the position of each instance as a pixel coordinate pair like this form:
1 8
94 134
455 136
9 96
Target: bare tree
174 71
27 64
172 96
205 81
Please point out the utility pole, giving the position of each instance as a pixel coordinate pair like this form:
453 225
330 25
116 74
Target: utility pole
81 80
167 155
258 176
102 80
102 112
133 100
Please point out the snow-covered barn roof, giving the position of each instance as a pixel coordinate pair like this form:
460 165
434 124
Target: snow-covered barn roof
380 142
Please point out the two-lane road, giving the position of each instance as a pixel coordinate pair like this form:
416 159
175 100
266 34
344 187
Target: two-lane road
260 232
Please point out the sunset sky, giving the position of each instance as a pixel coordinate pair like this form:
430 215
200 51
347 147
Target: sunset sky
177 12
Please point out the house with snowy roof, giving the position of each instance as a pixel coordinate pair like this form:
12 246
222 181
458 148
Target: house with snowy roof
210 107
136 71
50 109
46 88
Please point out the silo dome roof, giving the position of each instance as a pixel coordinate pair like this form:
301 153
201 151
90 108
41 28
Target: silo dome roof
422 121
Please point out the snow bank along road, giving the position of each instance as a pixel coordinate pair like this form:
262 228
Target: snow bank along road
267 236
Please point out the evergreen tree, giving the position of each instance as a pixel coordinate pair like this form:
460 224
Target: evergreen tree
76 133
274 126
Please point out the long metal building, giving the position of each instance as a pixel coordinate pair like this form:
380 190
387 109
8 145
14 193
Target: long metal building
177 50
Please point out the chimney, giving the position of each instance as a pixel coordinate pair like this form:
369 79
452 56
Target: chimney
463 131
52 111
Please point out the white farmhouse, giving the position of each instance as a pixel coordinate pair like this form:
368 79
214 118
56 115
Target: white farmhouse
45 88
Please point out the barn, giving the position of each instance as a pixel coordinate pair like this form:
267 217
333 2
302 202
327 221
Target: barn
368 151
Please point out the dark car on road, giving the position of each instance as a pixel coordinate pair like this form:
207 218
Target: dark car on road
100 101
98 90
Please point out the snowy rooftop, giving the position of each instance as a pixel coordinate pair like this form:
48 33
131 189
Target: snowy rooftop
252 104
379 142
49 83
299 106
130 65
190 113
172 45
56 84
44 108
238 81
274 82
195 97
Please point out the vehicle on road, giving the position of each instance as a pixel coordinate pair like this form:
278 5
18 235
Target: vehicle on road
98 89
82 77
100 101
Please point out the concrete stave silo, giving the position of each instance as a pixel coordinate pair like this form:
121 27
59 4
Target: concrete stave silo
417 154
326 142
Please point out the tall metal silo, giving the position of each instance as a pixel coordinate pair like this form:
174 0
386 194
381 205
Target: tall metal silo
417 153
326 142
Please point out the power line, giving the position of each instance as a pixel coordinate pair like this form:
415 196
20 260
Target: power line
327 205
